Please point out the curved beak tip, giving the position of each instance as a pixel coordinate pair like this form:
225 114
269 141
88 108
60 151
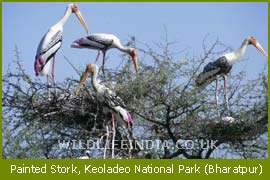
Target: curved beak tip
135 62
261 50
78 89
77 92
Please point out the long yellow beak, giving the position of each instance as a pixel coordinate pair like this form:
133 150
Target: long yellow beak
83 79
260 48
80 17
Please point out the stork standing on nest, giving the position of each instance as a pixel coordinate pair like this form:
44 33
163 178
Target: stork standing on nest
51 43
111 102
223 65
103 42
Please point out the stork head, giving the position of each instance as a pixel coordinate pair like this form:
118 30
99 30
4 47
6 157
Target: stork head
75 9
134 55
90 69
254 42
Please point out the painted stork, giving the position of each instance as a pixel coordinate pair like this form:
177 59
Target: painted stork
51 43
103 42
112 102
223 65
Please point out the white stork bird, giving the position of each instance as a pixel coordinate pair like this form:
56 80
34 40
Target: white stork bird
112 103
223 65
51 43
103 42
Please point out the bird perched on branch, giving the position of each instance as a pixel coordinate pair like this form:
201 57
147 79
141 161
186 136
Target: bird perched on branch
51 43
103 42
111 102
223 65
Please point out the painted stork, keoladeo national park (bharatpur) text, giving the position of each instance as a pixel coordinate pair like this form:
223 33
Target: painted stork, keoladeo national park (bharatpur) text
223 65
50 44
111 102
103 42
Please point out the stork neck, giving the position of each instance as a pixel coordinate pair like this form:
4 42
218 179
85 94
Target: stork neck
237 54
94 81
242 50
64 19
123 48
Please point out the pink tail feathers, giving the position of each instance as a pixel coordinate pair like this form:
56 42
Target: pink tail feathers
113 117
129 121
39 62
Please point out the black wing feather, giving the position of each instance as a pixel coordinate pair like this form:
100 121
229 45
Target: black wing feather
112 99
213 69
54 40
105 42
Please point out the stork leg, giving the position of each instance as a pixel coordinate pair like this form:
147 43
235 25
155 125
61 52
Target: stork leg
103 62
217 96
225 93
48 87
106 142
97 56
54 84
114 132
129 122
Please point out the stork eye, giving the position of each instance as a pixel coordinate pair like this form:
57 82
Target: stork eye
74 8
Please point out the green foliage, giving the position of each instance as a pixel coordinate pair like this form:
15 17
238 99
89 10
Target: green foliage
163 99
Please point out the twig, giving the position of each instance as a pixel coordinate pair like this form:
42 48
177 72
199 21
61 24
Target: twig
76 70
